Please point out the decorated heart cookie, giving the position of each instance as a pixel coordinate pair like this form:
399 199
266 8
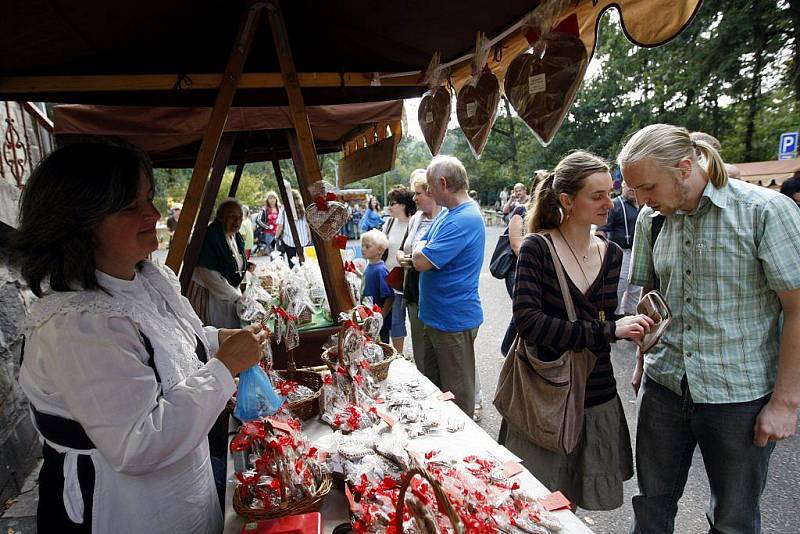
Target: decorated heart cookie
327 222
542 89
434 114
476 109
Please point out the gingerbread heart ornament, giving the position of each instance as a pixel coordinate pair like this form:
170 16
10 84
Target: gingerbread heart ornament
542 89
433 115
326 223
476 109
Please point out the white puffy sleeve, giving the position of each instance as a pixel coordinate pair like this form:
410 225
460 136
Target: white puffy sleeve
97 366
216 284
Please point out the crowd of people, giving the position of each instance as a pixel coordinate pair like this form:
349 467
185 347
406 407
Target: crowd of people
116 356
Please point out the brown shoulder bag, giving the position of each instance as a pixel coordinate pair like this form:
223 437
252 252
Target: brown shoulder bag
544 400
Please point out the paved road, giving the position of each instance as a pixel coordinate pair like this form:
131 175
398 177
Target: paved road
779 505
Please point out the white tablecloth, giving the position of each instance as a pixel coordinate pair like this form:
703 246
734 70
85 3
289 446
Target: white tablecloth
471 440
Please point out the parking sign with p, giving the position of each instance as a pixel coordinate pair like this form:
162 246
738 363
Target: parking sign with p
787 148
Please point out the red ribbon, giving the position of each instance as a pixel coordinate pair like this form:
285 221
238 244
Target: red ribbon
340 242
283 313
350 267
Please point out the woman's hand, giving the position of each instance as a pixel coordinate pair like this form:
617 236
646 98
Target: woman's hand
633 327
242 349
400 255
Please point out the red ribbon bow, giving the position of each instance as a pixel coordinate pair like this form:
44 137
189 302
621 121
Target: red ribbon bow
283 313
349 267
340 242
322 202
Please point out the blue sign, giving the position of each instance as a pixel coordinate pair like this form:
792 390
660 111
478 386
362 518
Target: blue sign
787 148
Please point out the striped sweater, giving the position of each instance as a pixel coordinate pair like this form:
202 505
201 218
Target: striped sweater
540 315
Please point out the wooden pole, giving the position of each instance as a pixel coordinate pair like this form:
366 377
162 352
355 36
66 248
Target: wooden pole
216 125
289 209
237 176
206 208
304 154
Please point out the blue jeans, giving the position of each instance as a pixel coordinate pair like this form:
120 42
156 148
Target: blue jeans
668 429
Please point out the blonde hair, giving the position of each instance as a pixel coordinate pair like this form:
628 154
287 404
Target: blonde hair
299 208
452 170
545 211
667 145
375 237
418 177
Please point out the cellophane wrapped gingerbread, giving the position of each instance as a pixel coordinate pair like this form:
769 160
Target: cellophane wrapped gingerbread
484 499
274 465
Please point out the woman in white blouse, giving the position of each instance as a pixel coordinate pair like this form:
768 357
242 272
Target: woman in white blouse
113 362
220 269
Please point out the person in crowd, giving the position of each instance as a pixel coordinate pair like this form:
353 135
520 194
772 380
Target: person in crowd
220 268
449 258
474 196
503 197
726 374
401 208
124 382
791 188
567 203
246 231
356 214
732 170
174 216
519 197
374 244
516 232
372 218
266 223
418 225
283 231
619 228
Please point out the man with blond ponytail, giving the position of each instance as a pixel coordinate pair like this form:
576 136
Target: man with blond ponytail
726 374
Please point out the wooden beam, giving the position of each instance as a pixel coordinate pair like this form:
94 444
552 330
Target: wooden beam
289 209
304 154
206 208
167 82
216 125
237 176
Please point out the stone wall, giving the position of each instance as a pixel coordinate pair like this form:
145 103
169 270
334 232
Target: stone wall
19 447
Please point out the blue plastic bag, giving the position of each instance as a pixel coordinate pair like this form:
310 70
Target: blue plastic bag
256 396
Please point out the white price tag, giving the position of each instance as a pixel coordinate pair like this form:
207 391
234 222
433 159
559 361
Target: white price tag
537 84
429 117
472 107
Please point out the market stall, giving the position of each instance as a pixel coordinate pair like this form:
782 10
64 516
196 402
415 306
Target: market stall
470 440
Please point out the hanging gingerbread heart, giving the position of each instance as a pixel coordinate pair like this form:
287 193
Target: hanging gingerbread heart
326 220
434 114
476 105
542 87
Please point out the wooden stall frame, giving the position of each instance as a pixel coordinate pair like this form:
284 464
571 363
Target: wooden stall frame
304 155
211 139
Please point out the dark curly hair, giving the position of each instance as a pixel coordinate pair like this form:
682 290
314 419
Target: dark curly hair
401 195
68 195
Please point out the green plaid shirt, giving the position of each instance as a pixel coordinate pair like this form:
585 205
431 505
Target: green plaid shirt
720 268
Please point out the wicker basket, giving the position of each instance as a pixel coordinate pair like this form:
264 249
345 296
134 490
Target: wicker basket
308 407
441 497
379 370
312 503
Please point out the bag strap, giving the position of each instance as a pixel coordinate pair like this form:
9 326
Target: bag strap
658 224
562 280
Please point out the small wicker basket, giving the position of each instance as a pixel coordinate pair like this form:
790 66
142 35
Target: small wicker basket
308 407
379 370
311 503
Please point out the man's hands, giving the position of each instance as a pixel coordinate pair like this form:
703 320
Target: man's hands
241 349
775 422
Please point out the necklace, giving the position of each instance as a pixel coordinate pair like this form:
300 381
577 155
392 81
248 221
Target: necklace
585 258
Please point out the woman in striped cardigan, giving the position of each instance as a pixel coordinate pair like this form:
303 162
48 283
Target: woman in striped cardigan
573 198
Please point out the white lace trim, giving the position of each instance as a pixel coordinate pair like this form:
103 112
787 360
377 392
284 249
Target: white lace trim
174 354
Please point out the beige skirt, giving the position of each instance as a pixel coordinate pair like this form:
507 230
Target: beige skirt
592 475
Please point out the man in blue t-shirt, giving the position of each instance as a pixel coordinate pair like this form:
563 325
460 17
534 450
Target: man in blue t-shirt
449 259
